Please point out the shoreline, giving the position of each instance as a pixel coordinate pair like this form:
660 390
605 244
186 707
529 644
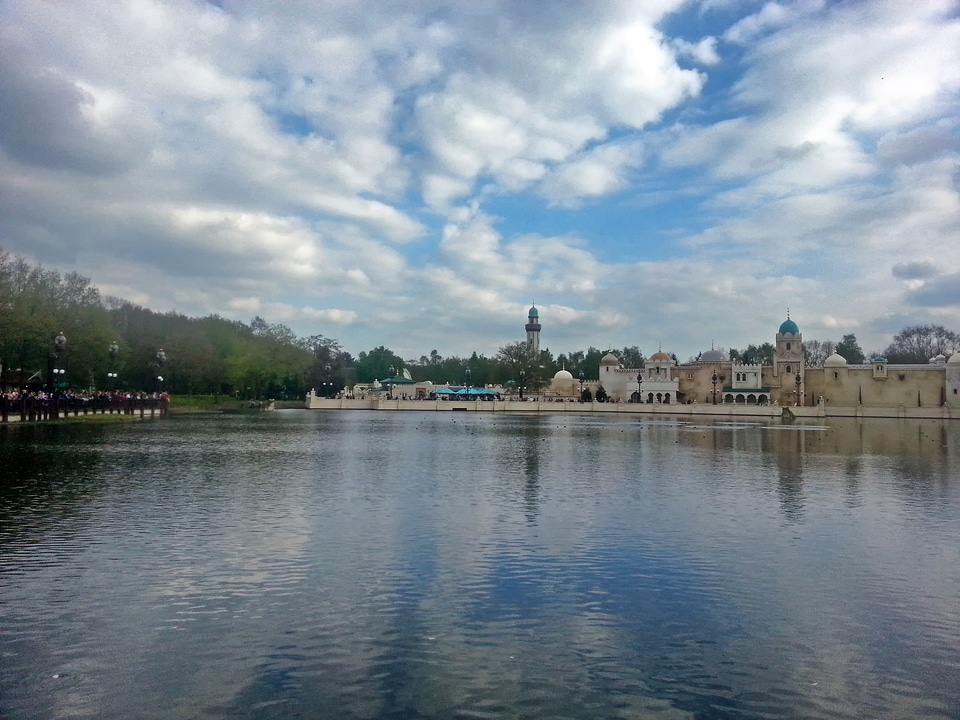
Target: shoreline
817 412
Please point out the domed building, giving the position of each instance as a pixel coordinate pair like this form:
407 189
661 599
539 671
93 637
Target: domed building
564 385
712 356
609 360
836 360
653 383
788 378
658 383
837 386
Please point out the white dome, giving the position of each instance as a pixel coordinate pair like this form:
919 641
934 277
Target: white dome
835 360
563 375
954 359
609 359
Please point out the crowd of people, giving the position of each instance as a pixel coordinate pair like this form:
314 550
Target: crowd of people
43 404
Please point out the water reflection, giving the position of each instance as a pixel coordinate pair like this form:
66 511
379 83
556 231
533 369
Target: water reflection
383 565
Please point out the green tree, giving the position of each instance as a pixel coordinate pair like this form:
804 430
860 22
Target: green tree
515 358
35 306
850 349
376 364
631 357
753 355
591 363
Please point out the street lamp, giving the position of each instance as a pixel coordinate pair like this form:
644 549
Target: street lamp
581 377
798 380
393 372
329 383
161 361
112 372
640 386
55 362
467 380
522 375
714 379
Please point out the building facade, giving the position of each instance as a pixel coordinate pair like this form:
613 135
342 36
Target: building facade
714 379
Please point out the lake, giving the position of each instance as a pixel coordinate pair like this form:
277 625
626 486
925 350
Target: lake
364 564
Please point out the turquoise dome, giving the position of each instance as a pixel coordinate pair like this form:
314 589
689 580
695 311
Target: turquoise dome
533 312
789 327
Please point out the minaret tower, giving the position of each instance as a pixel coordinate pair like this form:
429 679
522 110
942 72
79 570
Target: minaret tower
533 331
788 360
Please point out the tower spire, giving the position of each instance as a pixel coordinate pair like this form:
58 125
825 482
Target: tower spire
533 331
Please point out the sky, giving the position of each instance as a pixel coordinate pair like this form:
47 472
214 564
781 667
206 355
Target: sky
665 174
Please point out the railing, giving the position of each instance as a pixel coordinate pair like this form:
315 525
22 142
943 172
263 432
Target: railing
35 409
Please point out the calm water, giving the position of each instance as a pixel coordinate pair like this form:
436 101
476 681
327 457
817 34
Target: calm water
382 565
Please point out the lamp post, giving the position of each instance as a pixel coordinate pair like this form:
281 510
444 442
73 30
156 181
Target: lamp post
522 375
713 379
393 372
466 382
55 371
328 385
580 376
640 386
55 368
112 372
799 380
161 361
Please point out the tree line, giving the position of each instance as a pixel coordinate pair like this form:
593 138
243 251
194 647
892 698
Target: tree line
113 343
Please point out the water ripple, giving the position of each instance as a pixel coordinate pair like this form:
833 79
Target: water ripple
376 565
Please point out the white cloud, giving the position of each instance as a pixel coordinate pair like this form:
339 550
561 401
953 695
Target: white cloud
402 171
703 52
596 173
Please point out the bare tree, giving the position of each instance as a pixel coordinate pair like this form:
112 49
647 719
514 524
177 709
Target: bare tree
919 343
816 351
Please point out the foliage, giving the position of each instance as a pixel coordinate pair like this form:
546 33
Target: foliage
753 355
203 355
850 350
919 343
376 364
211 355
528 370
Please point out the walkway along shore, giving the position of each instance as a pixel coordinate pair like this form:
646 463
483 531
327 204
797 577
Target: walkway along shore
819 411
34 409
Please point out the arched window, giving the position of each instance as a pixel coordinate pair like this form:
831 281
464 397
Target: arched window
788 347
789 369
836 376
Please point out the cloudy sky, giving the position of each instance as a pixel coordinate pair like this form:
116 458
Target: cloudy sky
416 174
